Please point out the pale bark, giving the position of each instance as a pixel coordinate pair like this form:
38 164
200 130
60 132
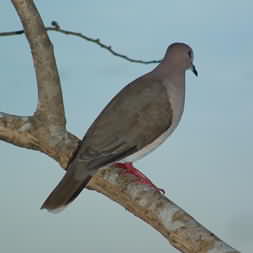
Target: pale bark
46 131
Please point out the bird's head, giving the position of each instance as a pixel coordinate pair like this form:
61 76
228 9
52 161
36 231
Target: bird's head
180 55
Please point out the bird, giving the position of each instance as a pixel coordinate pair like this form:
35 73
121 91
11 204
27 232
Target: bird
135 122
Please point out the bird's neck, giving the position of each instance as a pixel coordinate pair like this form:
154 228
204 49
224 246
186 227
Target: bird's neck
170 72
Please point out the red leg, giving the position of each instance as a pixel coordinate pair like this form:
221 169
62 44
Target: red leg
142 179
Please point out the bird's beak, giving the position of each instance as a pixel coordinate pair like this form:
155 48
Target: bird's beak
194 70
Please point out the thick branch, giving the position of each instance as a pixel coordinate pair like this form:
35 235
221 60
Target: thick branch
17 130
50 104
181 230
33 133
43 133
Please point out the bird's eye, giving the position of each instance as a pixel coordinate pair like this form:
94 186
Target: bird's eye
190 54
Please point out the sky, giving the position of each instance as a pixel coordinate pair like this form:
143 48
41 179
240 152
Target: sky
205 166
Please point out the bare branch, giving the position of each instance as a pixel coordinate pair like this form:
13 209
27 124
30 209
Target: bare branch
17 130
178 227
50 106
33 133
46 131
12 33
55 27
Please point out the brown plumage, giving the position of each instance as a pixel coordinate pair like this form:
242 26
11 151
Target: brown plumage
132 121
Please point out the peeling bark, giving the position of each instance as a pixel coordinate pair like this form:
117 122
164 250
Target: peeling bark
46 131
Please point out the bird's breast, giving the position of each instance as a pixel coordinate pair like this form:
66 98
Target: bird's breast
176 96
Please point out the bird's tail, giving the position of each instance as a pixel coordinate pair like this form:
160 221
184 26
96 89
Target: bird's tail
66 191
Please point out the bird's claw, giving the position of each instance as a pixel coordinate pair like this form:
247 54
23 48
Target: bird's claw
142 179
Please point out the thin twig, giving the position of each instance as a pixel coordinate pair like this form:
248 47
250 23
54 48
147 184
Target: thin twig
56 28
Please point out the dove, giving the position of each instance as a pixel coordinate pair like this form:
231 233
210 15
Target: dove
134 123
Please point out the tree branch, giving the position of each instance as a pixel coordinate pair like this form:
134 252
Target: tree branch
177 226
33 133
49 135
50 105
17 130
56 28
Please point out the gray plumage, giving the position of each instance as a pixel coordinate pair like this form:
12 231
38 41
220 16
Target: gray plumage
138 119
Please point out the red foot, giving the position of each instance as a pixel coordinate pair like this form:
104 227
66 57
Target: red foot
142 179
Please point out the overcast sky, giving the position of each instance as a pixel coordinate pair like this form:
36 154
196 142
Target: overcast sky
206 167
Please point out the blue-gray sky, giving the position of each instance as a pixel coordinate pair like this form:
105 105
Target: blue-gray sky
205 167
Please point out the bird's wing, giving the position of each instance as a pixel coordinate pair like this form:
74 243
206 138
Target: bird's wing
134 118
139 114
